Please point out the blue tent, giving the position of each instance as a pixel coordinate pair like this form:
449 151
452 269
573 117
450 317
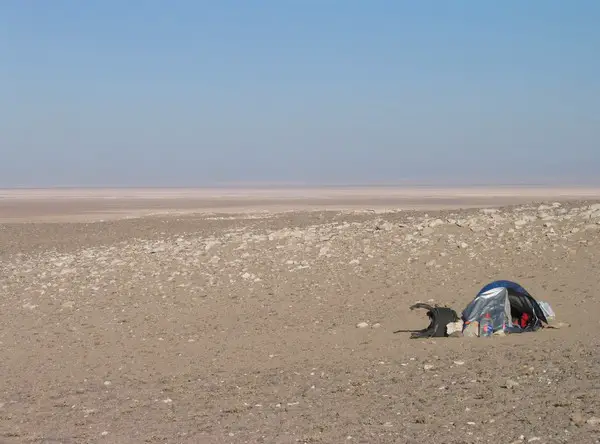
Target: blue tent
511 308
509 285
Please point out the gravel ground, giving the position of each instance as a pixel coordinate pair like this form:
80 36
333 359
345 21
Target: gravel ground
279 328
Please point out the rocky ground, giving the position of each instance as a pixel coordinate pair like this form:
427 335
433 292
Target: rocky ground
279 328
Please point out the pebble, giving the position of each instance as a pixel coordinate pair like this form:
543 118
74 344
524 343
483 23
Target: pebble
509 384
593 421
387 226
577 419
489 211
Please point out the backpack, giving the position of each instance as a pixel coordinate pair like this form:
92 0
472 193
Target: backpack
439 317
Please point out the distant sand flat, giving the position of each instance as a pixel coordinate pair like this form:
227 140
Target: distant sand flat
90 204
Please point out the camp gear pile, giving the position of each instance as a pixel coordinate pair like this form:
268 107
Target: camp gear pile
501 307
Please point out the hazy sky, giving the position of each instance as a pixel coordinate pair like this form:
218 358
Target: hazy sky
195 92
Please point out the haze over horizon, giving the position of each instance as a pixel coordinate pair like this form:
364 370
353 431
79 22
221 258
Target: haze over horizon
189 94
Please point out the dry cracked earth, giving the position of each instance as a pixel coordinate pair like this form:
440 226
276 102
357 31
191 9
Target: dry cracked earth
280 328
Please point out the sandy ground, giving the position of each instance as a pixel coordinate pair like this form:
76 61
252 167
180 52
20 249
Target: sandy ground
230 327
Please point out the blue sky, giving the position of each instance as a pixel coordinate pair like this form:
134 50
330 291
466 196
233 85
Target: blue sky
191 93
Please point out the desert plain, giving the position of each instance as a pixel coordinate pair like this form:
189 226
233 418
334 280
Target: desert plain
268 316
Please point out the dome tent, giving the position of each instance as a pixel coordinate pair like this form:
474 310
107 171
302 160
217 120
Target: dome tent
511 308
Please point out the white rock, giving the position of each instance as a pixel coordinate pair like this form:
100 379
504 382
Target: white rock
593 421
387 226
428 367
324 251
489 211
362 325
510 384
454 327
211 244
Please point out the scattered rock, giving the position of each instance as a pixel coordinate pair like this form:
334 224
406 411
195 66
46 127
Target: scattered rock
593 421
436 223
454 329
489 211
510 384
577 419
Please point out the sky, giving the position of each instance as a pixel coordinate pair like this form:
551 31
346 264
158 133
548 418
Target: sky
197 93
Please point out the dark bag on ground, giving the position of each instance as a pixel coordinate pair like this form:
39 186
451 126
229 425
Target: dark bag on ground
439 317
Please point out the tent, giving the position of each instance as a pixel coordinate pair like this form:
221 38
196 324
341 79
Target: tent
511 308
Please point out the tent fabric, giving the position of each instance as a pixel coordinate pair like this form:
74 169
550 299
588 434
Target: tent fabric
509 285
495 302
505 301
520 299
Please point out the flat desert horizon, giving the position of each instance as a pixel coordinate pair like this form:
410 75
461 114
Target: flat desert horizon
97 204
